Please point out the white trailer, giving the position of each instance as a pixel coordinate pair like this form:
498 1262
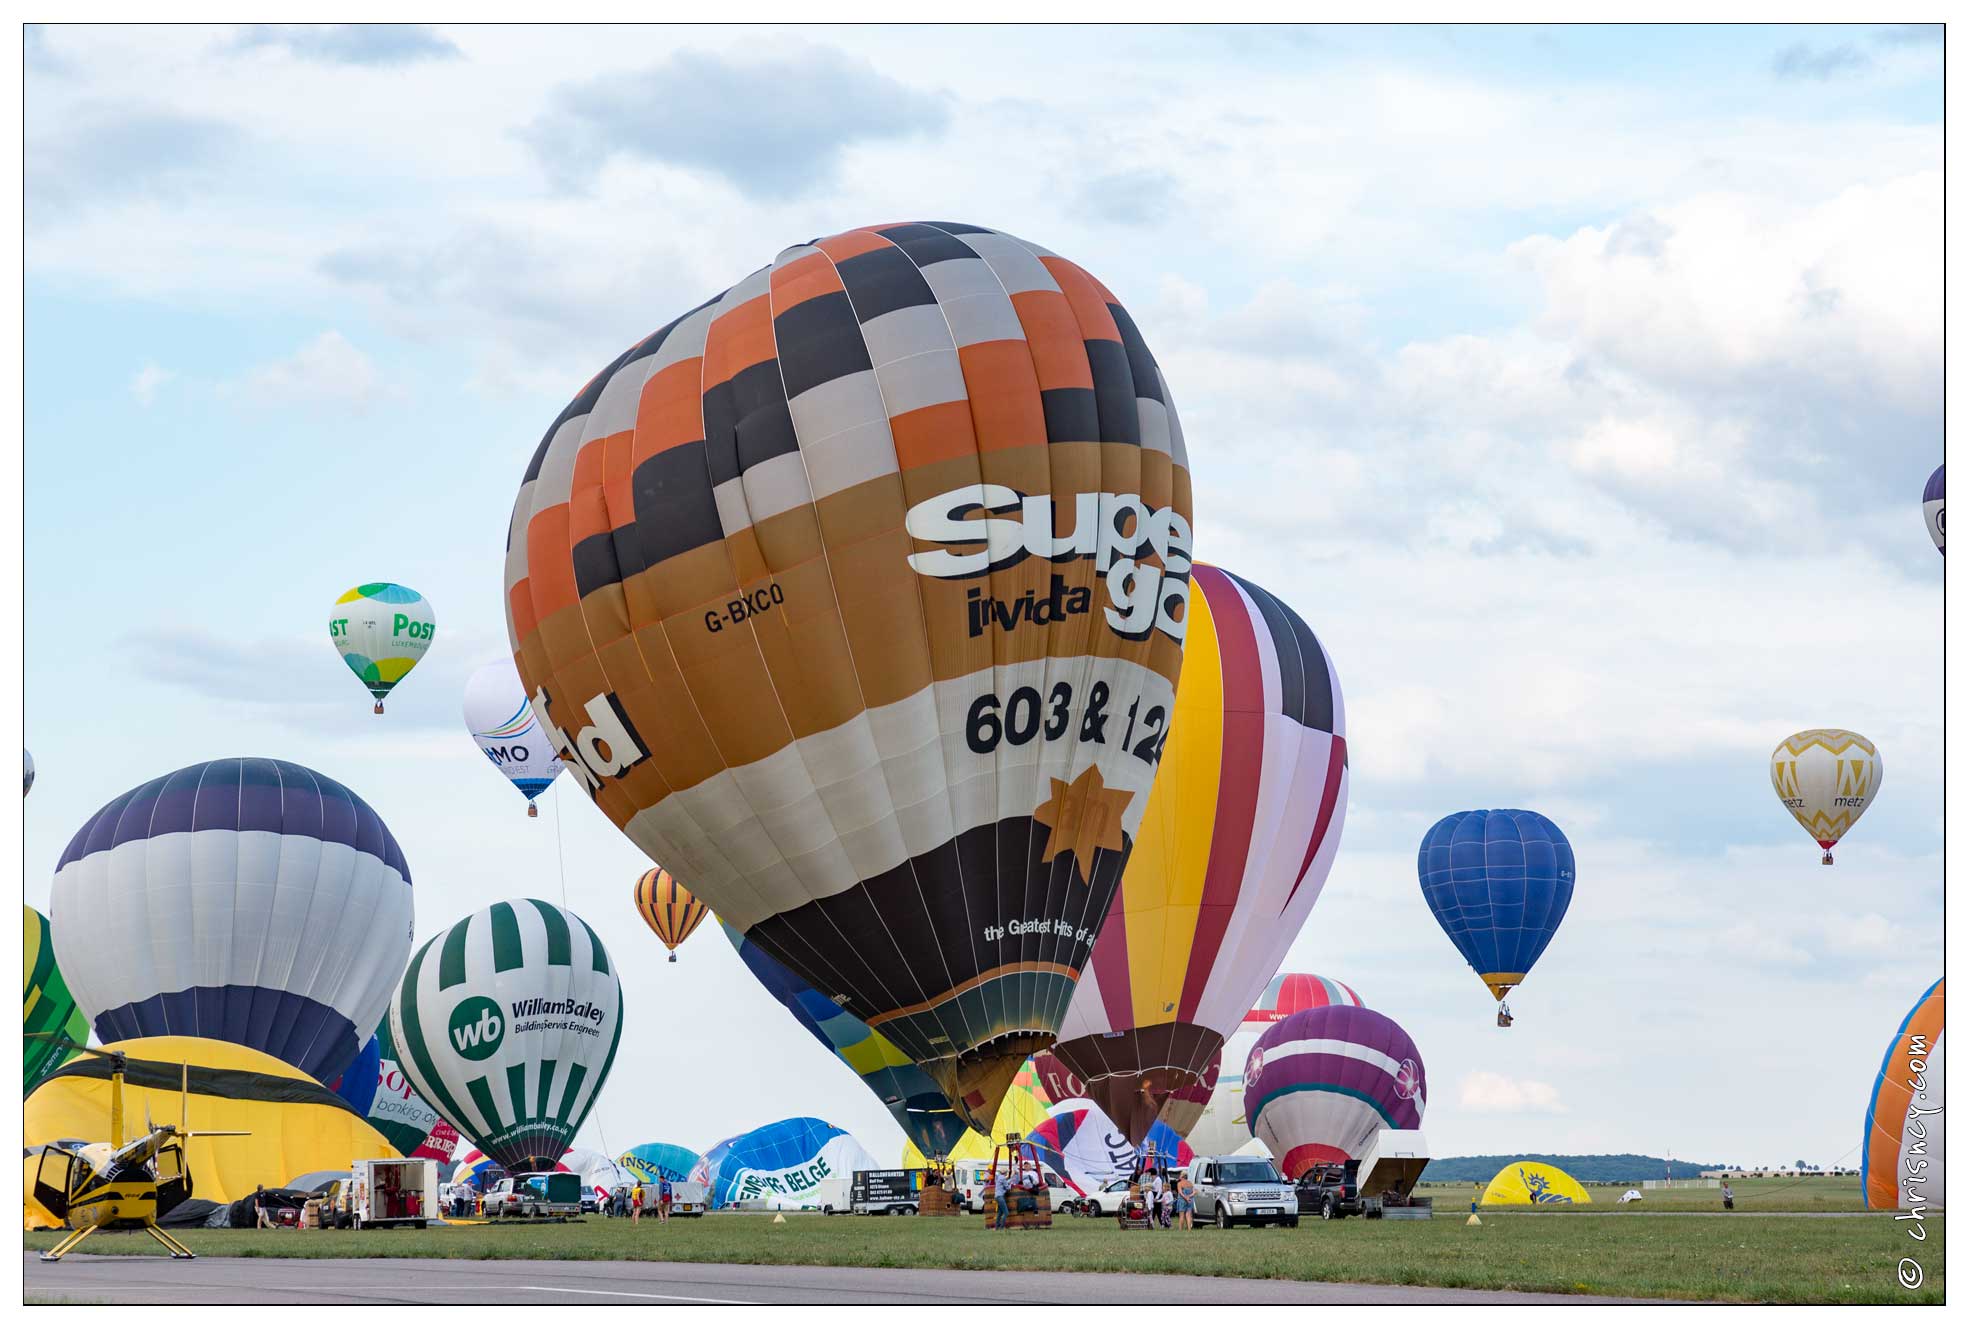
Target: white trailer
393 1192
1389 1168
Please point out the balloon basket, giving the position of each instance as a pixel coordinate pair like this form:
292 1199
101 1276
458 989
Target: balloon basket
673 957
379 708
1827 860
532 811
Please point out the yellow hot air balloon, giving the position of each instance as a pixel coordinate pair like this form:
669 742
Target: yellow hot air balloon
672 912
856 596
1827 778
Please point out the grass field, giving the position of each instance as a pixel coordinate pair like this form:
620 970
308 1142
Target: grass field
1687 1255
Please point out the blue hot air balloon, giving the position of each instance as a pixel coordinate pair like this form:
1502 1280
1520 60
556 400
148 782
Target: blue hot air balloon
1931 508
356 1086
1499 881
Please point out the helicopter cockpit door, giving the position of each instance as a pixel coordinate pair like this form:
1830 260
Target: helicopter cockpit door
52 1178
173 1179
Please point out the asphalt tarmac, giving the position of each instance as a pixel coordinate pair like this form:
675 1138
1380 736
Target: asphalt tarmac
215 1280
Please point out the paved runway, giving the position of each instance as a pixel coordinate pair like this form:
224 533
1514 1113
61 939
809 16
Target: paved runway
214 1279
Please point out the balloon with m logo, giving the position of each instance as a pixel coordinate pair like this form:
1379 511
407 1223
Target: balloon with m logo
507 1023
1826 779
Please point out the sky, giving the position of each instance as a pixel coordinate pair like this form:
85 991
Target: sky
1577 386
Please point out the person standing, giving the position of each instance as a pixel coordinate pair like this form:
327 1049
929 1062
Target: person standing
1729 1197
1185 1202
259 1206
663 1197
1153 1195
1001 1184
636 1205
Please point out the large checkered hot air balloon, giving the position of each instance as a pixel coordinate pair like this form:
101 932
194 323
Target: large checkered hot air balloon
247 900
1318 1085
507 1024
1826 779
856 597
1242 826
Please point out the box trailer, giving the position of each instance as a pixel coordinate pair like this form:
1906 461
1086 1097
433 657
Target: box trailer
391 1192
1389 1168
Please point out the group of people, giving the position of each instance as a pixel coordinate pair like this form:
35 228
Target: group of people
1170 1204
631 1201
1025 1177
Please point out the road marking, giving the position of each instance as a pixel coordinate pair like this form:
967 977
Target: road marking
647 1296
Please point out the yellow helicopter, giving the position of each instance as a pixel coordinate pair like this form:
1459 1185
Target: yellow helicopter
117 1186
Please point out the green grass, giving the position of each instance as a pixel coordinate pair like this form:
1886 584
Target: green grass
1775 1195
1740 1258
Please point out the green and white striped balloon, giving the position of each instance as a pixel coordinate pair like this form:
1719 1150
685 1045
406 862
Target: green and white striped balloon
507 1024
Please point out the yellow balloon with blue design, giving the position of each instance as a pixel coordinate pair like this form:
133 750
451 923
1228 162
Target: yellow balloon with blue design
382 630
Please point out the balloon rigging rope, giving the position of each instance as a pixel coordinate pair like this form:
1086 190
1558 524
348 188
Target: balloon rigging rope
560 857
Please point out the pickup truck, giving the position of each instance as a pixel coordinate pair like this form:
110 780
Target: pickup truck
535 1195
1330 1190
1237 1188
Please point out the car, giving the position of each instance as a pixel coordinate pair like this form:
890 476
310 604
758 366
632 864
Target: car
1330 1190
535 1195
1102 1203
1238 1188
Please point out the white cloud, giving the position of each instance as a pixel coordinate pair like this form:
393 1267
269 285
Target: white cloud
328 369
1488 1091
146 381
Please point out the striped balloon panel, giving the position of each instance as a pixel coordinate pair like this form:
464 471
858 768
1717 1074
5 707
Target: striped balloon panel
507 1023
855 596
1901 1155
1499 882
1319 1084
911 1097
248 900
1242 827
47 1006
672 912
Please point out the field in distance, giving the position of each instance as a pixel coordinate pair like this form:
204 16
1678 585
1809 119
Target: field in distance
1742 1257
1766 1195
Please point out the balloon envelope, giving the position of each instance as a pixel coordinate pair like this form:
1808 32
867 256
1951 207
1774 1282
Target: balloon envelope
47 1006
855 597
1826 779
504 727
1531 1182
1222 1127
398 1111
1087 1149
249 900
1318 1085
656 1160
1242 826
27 772
294 1125
1931 508
781 1165
1498 881
1901 1159
357 1085
672 912
382 630
1020 1112
507 1023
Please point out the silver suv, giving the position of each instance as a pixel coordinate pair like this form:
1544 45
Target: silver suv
1237 1188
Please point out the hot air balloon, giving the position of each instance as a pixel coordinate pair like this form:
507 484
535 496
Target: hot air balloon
1827 779
1901 1161
657 1160
781 1165
1319 1084
1020 1112
911 1097
357 1085
856 597
398 1111
1242 826
1089 1151
1498 881
507 1023
1222 1128
27 772
48 1010
382 630
503 726
1931 508
672 912
245 899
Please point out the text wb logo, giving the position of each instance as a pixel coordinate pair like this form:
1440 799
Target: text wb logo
476 1028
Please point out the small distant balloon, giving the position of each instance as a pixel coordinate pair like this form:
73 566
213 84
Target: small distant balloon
672 912
1826 778
1931 508
27 772
382 630
506 730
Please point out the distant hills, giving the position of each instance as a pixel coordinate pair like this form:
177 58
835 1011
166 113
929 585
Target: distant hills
1601 1169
